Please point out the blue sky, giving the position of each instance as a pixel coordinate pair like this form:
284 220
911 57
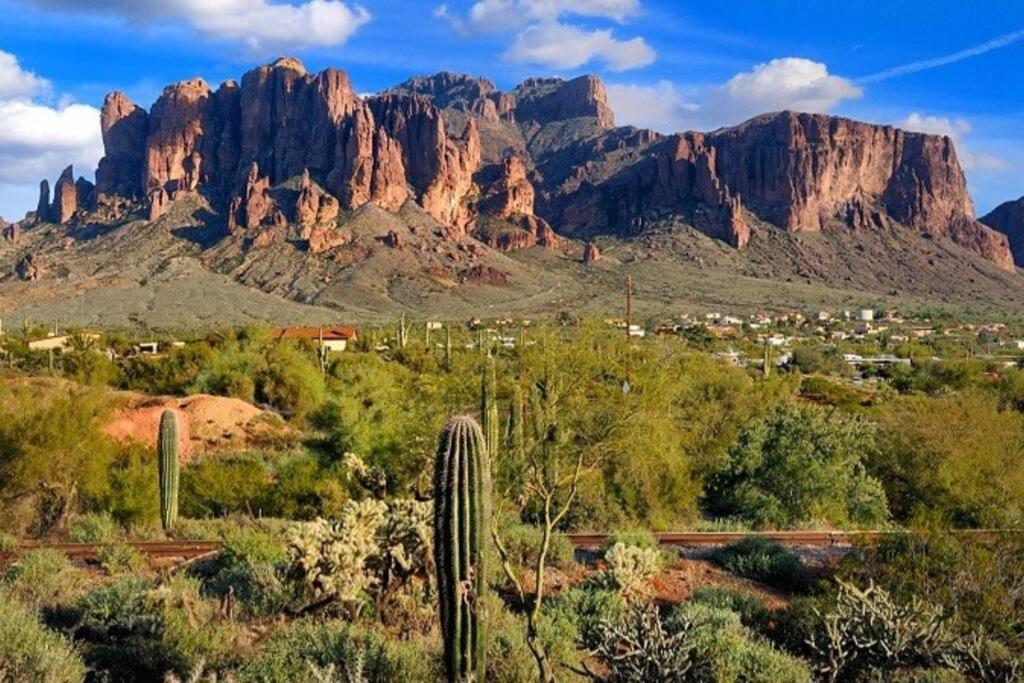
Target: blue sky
938 66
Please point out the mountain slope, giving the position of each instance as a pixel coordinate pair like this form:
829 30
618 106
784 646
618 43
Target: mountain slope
289 197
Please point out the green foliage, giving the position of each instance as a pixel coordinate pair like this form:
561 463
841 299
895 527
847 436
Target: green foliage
977 575
958 458
291 382
636 537
121 558
694 642
462 510
752 612
252 566
169 459
92 528
522 541
53 456
218 486
42 578
869 630
764 560
815 360
307 647
133 630
797 466
30 653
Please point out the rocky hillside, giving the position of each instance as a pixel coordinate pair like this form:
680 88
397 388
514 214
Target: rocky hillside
1008 218
293 184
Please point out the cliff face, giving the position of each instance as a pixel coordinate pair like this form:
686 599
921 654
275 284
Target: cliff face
1008 219
542 158
798 172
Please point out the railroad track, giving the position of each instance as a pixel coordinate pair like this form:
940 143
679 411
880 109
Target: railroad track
186 550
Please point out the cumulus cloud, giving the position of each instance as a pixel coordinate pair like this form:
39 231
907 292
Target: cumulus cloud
544 37
37 140
789 83
561 46
259 24
16 82
956 129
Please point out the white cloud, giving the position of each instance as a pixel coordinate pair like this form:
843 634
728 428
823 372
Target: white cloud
38 140
659 107
561 46
259 24
16 82
955 129
789 83
503 15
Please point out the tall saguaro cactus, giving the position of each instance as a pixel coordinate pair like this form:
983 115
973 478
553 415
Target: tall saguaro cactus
462 508
167 457
448 348
489 404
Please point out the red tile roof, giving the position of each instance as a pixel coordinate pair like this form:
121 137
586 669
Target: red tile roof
329 333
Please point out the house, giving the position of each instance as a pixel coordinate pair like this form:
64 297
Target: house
866 315
332 338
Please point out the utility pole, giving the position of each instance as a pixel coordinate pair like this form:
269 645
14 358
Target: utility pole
629 307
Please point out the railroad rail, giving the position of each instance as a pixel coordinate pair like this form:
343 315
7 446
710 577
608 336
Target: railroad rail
187 550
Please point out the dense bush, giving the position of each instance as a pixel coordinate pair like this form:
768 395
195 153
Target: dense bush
29 652
522 541
955 459
800 465
752 612
251 566
135 630
92 528
42 578
306 648
630 570
694 642
764 560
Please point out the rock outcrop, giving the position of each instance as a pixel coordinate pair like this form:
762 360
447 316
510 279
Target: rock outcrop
508 167
591 254
29 268
43 205
1008 219
11 232
125 127
544 100
65 197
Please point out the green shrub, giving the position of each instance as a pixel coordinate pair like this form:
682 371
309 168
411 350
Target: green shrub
92 528
121 558
31 653
215 487
797 466
8 543
522 541
694 642
753 614
586 608
635 538
134 630
764 560
43 578
253 564
305 647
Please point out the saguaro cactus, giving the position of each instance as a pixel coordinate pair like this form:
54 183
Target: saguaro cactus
462 492
489 405
448 348
167 457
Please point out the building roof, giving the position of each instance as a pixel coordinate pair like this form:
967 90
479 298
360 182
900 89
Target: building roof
329 333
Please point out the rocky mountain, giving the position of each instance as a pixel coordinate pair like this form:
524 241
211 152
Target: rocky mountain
1008 218
450 171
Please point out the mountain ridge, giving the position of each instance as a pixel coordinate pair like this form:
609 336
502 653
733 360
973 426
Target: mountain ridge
281 167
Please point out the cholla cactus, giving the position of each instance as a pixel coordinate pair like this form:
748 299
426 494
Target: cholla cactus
405 538
640 648
630 569
868 628
330 558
